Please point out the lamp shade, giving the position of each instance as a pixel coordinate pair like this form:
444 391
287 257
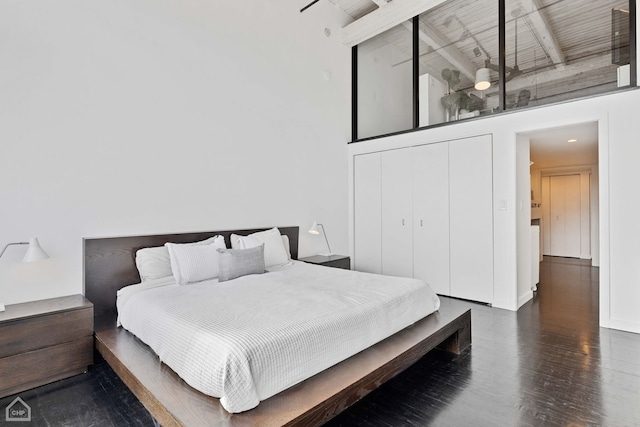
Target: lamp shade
34 251
483 79
314 228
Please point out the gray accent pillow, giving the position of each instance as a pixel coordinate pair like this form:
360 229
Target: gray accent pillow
234 263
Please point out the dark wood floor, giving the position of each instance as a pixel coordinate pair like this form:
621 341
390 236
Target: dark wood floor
95 399
549 364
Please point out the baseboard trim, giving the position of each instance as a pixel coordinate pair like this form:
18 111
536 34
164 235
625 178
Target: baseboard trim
525 298
624 325
504 304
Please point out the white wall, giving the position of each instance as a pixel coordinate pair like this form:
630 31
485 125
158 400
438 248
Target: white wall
138 116
523 219
594 200
618 154
535 184
385 89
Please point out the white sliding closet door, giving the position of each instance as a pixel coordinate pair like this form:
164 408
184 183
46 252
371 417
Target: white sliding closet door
471 218
564 204
546 216
367 204
431 216
397 210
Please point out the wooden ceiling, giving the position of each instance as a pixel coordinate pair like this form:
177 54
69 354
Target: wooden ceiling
561 45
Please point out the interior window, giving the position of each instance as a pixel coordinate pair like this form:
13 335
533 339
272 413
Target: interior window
385 82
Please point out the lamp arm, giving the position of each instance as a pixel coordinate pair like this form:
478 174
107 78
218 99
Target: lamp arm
11 244
325 237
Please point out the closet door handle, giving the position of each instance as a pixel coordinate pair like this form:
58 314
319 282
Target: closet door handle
420 223
402 221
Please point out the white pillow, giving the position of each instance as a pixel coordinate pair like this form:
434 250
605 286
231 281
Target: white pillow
274 250
194 263
287 246
154 263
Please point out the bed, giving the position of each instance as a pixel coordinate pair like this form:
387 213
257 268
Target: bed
110 265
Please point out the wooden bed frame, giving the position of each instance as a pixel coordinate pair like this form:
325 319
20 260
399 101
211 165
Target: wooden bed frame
109 264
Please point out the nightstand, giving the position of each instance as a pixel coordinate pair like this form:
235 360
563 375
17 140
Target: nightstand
44 341
337 261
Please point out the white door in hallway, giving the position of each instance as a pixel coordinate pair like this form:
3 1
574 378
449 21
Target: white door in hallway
564 216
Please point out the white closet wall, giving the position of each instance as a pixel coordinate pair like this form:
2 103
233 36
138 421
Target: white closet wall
435 218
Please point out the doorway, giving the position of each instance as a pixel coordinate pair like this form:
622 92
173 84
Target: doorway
558 174
565 189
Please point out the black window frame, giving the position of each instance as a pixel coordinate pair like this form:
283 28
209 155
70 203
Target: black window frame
502 94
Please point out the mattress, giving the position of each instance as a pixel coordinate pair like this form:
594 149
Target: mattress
247 339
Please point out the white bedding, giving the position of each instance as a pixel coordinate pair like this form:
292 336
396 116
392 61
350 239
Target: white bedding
249 338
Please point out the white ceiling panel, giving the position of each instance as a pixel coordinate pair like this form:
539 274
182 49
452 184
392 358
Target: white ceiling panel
550 148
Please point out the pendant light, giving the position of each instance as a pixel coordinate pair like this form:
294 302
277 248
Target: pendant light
482 79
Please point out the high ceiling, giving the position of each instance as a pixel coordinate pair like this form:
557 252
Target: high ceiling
560 47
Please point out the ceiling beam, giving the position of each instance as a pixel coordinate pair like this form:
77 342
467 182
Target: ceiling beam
444 48
529 80
540 25
439 42
385 17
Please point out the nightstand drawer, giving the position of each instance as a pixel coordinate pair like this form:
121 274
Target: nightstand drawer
33 333
44 341
27 370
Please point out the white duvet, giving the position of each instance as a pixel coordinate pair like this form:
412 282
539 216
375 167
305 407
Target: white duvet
249 338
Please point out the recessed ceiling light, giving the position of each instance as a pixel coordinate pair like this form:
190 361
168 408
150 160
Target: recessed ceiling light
572 140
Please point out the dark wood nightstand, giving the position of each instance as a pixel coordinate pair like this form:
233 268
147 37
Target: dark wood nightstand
44 341
337 261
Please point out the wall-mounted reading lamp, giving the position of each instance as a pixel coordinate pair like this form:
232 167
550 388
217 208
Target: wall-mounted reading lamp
34 253
316 230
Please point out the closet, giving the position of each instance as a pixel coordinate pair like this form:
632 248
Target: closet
471 219
368 224
426 212
396 218
431 213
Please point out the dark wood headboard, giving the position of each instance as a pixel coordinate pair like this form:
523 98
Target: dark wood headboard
110 263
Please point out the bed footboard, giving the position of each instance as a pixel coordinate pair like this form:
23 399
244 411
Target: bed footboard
310 403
